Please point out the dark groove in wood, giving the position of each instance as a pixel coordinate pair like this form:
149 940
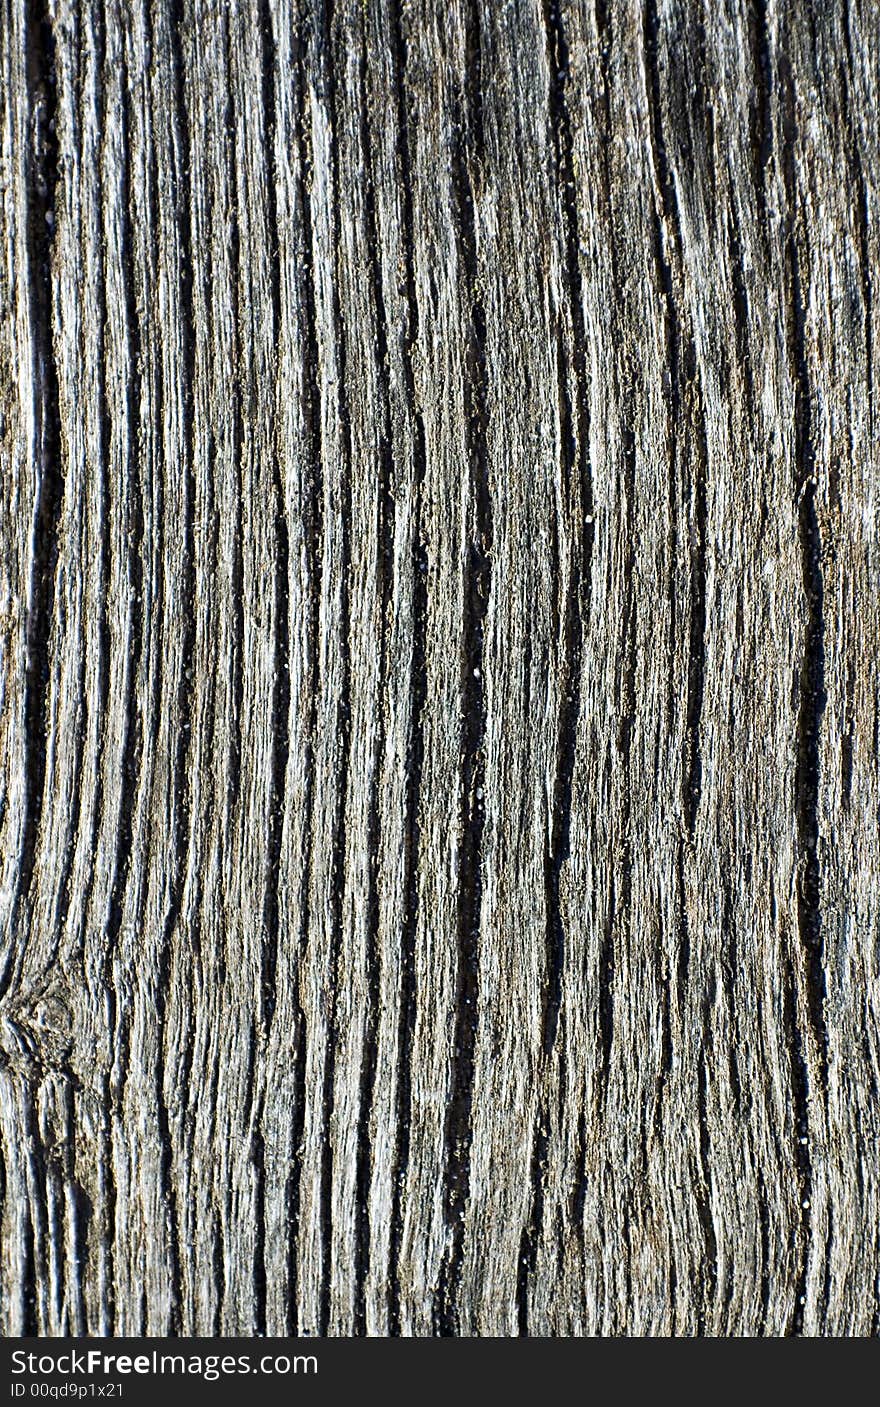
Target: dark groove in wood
863 219
182 833
281 665
324 38
384 566
692 768
684 398
477 586
313 515
800 1086
281 585
764 1235
101 468
812 697
237 448
260 1279
559 846
704 1184
417 676
42 172
531 1233
760 116
132 745
740 308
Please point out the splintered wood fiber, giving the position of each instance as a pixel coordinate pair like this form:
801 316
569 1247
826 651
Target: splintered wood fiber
439 632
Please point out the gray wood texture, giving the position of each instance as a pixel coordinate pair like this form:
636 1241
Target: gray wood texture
439 622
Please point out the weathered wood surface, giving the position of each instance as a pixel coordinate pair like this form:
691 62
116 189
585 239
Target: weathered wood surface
439 803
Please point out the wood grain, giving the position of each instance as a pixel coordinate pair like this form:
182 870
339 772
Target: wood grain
439 622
